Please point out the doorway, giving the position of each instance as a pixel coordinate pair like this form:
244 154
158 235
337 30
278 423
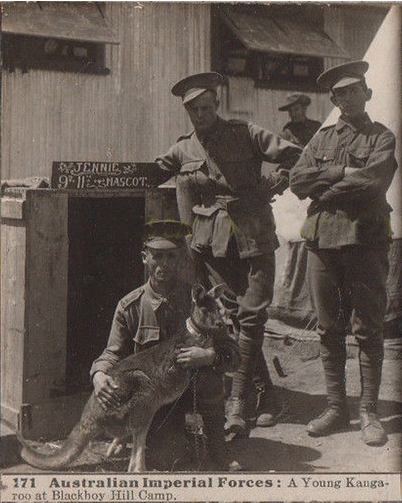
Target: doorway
104 265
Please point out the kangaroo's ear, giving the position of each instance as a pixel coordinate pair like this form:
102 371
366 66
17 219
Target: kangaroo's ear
217 291
197 292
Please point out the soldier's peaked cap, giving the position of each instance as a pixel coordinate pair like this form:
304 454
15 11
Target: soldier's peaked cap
194 85
295 99
165 234
343 75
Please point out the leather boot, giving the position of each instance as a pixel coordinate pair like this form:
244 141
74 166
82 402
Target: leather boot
370 358
330 421
242 387
266 407
236 422
336 416
372 431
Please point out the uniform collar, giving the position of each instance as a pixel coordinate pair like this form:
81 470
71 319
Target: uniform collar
211 135
297 124
156 299
356 124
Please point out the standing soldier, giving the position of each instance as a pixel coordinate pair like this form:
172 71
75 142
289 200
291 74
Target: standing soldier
299 129
346 170
220 180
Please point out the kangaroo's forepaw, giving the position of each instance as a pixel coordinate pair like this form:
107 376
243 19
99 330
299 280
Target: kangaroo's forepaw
115 448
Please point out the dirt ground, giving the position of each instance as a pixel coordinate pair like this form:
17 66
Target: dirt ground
286 446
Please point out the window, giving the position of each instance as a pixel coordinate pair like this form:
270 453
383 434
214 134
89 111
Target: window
62 36
277 50
287 71
26 52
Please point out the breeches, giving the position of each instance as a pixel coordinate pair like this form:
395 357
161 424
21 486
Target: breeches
249 287
348 285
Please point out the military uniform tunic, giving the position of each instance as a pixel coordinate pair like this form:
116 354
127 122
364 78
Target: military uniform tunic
347 210
231 197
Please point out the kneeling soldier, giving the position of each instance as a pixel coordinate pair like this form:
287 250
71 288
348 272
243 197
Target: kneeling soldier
148 315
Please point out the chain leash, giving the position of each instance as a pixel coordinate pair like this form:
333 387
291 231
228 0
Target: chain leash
177 399
198 437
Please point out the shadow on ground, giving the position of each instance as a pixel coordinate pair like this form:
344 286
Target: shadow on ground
300 408
254 454
257 453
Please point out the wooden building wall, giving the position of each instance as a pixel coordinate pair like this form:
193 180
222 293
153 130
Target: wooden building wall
242 100
127 115
130 114
351 27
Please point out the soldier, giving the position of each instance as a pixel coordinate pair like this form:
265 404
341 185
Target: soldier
221 190
299 130
346 170
148 315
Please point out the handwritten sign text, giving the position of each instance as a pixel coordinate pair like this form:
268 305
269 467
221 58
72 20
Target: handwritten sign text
104 175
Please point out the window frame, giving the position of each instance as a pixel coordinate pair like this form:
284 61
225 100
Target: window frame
27 52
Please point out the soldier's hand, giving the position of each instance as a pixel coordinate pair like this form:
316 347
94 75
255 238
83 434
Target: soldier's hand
105 390
195 357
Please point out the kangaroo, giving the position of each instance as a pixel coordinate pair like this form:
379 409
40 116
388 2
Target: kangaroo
146 381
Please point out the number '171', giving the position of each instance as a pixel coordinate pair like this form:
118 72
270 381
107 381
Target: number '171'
24 482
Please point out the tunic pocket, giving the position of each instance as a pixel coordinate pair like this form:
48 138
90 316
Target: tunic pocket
146 334
324 156
357 158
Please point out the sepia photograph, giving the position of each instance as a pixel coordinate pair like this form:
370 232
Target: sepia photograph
201 251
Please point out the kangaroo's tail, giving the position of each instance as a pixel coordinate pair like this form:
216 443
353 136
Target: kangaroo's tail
81 434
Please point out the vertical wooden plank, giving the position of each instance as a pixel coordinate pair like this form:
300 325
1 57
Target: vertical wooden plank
46 294
13 245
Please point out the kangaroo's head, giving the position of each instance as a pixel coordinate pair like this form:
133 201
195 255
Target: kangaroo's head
205 314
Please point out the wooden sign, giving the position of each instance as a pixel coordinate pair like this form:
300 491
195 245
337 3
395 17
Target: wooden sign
104 175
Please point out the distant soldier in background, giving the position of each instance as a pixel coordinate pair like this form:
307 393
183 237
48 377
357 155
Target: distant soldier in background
346 170
299 130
